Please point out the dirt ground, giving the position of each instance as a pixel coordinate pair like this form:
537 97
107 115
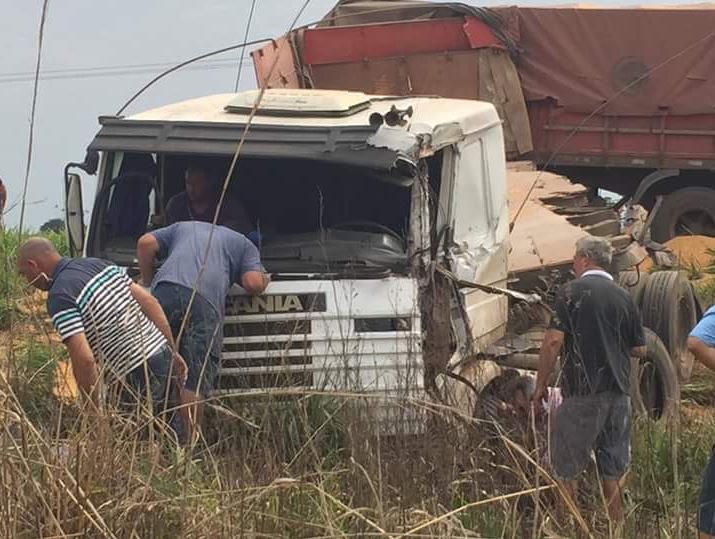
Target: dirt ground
693 252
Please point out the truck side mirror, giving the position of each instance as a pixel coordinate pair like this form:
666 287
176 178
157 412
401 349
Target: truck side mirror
91 162
74 214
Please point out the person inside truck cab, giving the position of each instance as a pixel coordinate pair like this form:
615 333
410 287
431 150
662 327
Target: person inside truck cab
198 203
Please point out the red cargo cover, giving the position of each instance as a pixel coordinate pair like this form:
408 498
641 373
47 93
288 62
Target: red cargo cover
585 57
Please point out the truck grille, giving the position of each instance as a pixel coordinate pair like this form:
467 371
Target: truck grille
266 354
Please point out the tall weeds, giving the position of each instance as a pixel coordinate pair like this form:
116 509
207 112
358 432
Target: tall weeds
297 464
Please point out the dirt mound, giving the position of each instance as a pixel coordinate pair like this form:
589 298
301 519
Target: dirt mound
696 252
693 250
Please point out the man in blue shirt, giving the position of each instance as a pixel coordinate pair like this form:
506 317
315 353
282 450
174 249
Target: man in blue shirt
701 343
187 264
109 324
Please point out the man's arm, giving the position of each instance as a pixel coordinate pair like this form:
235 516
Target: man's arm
234 216
637 333
254 282
247 267
548 355
147 249
84 367
153 311
704 353
171 211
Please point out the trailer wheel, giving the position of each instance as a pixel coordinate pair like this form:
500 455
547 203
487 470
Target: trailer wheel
686 212
654 382
634 282
669 310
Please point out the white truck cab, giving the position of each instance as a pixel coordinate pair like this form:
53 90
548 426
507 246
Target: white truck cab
357 199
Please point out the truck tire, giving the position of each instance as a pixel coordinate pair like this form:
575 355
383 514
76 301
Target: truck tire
654 381
669 310
634 282
686 212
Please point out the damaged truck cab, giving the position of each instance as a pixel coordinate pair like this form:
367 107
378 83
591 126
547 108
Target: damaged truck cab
363 204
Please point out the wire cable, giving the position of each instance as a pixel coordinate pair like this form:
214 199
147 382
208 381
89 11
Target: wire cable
40 39
245 38
107 71
184 64
248 43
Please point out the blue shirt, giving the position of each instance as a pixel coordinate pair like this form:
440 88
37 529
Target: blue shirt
705 329
92 296
183 246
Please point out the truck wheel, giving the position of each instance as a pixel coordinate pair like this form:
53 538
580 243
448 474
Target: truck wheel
634 282
654 382
668 309
686 212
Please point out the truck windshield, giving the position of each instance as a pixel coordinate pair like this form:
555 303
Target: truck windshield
305 216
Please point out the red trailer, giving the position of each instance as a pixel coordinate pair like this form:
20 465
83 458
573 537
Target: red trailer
620 99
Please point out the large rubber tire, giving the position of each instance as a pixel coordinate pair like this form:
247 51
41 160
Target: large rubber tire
669 310
685 212
654 383
634 282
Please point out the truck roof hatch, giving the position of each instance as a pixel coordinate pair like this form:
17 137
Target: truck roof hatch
329 103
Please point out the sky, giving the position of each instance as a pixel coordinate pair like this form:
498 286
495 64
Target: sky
88 34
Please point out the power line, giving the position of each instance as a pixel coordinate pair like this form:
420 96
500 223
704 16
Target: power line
99 68
108 71
185 63
245 38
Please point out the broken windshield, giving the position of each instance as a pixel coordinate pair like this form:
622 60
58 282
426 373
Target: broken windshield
305 216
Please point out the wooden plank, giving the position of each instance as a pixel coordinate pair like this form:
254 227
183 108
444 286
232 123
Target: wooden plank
540 238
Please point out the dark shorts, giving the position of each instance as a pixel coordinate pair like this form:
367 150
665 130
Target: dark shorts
149 384
601 423
201 341
706 503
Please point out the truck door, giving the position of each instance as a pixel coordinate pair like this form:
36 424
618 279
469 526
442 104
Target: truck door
478 219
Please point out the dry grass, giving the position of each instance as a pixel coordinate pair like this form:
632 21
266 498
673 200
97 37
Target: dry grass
305 464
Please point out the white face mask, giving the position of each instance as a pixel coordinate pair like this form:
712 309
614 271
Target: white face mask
41 275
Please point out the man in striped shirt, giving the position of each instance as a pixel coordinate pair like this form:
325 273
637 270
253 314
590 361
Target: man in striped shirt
109 324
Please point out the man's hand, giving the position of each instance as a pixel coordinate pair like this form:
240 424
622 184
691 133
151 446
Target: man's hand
548 355
180 369
254 282
147 249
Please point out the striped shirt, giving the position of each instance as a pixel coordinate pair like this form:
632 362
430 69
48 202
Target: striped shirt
92 296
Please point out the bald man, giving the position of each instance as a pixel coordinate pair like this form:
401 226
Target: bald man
108 323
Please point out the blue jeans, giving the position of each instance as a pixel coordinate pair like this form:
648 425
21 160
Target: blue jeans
706 503
201 341
152 383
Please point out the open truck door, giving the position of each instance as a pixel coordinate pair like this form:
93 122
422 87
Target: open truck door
74 211
74 214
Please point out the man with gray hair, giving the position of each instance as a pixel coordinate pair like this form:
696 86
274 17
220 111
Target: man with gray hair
599 328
